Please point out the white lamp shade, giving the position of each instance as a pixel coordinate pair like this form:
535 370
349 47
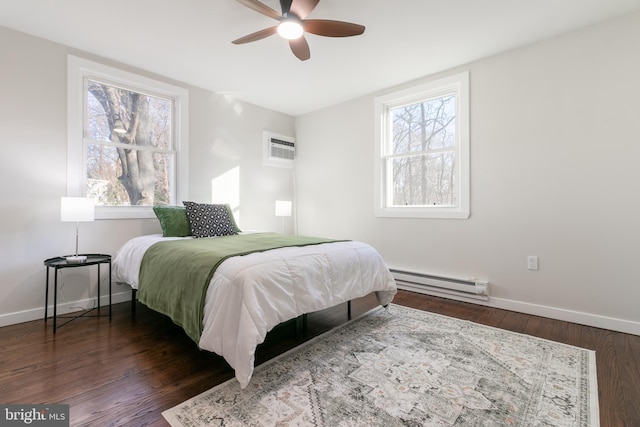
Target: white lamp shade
283 208
77 209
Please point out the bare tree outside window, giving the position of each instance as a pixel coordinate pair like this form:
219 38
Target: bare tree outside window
422 150
423 157
129 146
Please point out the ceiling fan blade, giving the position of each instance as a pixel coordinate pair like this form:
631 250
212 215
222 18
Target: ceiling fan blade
300 48
258 35
261 8
328 28
302 8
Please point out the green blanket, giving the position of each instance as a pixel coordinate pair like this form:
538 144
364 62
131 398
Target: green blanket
175 274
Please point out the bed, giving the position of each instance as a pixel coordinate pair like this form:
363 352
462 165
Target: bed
250 292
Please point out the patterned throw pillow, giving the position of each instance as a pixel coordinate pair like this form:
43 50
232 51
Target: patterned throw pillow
208 220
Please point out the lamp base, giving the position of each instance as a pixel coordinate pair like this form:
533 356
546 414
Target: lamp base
76 259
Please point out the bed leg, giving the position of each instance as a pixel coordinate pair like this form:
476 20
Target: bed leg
133 300
304 324
349 310
301 327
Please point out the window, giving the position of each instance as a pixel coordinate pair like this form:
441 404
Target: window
422 150
126 141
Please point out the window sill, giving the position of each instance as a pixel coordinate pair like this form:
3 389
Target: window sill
433 213
124 212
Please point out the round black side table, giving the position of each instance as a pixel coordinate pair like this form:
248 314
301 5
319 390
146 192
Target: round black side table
58 263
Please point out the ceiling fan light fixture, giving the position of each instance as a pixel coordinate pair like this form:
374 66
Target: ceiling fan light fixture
290 29
293 25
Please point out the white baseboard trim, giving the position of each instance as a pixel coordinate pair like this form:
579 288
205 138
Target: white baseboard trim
597 321
611 323
614 324
63 308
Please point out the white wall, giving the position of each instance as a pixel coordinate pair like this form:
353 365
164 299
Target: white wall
223 135
555 145
228 156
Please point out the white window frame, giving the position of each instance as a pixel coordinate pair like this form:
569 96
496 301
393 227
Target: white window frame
459 86
79 69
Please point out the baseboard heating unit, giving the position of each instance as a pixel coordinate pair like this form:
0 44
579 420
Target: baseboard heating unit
440 285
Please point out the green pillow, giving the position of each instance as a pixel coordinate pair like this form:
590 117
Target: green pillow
173 220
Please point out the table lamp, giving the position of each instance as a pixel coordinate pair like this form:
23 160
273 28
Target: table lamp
77 209
283 208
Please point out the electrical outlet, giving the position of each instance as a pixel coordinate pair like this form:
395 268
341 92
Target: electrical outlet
532 262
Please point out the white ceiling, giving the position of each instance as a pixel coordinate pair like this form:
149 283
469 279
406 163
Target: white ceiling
190 40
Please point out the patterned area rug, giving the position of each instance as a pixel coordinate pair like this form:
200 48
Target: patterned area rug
406 367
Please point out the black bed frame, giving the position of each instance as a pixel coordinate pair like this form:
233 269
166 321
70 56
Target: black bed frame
301 321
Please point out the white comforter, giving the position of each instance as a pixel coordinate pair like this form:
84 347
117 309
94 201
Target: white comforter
249 295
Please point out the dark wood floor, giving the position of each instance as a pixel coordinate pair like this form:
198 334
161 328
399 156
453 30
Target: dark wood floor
130 370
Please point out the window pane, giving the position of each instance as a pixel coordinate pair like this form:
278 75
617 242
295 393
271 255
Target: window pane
424 180
422 150
103 170
120 115
163 164
144 180
139 175
424 126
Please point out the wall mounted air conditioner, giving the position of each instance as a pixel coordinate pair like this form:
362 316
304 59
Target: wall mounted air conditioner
278 150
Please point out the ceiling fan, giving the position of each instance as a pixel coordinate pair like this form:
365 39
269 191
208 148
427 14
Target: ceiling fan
293 25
